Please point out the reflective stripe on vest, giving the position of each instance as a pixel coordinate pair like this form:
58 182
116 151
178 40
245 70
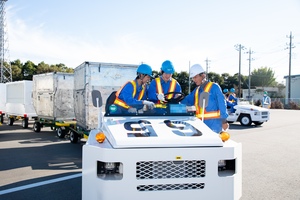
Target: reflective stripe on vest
171 88
122 103
199 109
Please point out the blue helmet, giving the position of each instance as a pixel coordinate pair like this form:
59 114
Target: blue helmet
232 90
167 67
225 90
144 69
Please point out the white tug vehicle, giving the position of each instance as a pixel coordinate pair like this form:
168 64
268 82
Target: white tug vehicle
170 154
246 114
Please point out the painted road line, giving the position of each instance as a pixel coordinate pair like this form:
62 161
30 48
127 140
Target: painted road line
39 184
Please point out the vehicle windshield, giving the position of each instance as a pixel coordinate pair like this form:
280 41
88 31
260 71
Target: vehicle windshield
167 109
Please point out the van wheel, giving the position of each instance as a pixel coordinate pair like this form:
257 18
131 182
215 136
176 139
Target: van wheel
245 120
60 132
25 123
74 137
37 127
11 121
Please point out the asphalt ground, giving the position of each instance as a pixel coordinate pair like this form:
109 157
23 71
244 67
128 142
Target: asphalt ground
43 166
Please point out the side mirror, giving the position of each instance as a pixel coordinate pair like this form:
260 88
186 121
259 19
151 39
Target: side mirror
204 97
96 98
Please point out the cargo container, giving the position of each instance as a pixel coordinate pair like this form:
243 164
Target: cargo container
2 101
104 77
53 101
19 102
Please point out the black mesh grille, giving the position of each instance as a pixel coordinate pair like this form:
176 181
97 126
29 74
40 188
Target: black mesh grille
170 169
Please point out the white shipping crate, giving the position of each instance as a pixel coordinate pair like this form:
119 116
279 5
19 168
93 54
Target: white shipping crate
53 95
105 77
18 99
2 97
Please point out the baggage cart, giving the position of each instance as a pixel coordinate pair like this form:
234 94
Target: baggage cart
2 101
19 104
53 101
89 76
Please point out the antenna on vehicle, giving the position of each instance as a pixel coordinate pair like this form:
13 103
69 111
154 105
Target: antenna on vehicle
203 102
97 102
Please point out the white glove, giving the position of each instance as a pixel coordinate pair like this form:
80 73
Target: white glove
149 104
132 110
161 97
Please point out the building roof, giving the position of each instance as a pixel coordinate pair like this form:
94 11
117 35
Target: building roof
293 76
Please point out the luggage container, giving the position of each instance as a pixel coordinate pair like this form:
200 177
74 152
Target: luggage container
53 101
89 76
2 101
19 102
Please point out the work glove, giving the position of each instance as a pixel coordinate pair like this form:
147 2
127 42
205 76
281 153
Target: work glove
149 104
132 110
161 97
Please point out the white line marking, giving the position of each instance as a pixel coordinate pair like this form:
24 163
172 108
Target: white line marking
39 184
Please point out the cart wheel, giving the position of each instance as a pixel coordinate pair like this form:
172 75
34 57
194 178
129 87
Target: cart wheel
73 137
1 119
245 120
25 123
11 121
37 127
60 132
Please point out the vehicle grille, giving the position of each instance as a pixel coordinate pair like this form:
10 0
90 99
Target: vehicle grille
264 113
170 169
187 186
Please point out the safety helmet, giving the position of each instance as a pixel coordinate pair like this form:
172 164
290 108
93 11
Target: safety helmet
265 92
232 90
196 69
144 69
167 67
225 90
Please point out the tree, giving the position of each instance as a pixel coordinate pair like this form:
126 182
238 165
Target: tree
263 77
183 80
214 77
28 70
16 69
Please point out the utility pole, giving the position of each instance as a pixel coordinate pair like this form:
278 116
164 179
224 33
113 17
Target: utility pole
207 61
239 48
290 64
5 71
249 78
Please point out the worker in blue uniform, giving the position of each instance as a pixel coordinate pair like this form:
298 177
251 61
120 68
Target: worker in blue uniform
266 100
232 100
163 84
132 96
215 113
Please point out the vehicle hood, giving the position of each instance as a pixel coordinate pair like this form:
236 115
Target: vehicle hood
164 131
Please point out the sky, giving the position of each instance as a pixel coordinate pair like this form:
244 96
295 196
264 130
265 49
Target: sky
186 32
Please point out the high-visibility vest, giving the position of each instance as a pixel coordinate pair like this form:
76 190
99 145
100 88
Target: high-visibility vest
171 88
122 103
199 109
